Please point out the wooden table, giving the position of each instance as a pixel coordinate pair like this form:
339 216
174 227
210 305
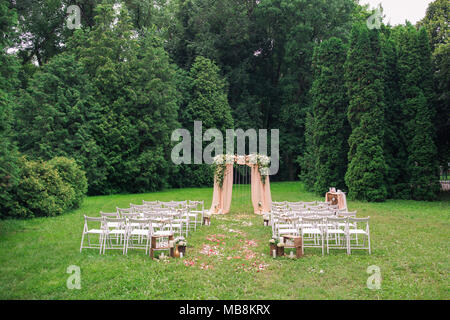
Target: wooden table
298 243
153 246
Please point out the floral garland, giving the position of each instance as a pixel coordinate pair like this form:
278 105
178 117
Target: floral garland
220 164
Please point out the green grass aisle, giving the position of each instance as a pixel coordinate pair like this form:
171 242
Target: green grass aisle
229 259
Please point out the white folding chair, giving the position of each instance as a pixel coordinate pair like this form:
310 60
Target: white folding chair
99 231
138 234
117 234
287 226
360 230
336 234
199 209
179 221
312 233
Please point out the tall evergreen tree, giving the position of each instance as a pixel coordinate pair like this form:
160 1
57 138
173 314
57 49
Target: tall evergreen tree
9 167
394 146
436 22
109 102
365 176
422 166
328 146
207 92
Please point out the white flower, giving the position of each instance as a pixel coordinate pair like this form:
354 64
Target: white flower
229 158
240 159
218 159
264 171
253 158
272 240
280 244
263 160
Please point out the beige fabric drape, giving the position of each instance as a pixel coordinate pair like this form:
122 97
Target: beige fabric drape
222 196
261 197
260 192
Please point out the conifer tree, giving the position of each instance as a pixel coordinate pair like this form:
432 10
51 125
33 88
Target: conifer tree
365 176
394 146
418 130
208 103
8 84
109 102
328 147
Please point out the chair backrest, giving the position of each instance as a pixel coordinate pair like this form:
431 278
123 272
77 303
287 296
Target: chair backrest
160 210
360 223
139 223
130 215
120 211
313 221
346 214
150 203
151 206
324 214
87 219
170 205
138 207
152 215
110 215
120 221
182 203
280 209
296 207
336 222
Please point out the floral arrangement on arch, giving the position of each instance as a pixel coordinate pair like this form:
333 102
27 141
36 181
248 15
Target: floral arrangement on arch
220 163
263 163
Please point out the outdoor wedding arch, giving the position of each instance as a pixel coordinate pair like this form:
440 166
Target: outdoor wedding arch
223 182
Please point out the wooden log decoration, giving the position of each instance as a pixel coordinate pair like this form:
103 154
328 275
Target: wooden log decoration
182 250
206 221
280 251
298 244
272 248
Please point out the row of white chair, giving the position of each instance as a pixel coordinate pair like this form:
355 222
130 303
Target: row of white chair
330 232
136 226
123 233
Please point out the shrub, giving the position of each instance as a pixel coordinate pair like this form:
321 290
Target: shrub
41 191
71 173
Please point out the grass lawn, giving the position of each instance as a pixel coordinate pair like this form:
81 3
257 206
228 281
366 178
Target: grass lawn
410 244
